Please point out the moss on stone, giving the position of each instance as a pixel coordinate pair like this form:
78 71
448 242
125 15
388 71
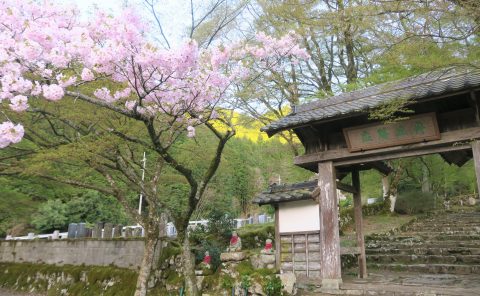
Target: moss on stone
168 252
173 278
77 280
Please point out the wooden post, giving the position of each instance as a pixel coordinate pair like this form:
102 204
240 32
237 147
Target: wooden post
330 273
476 162
278 246
357 201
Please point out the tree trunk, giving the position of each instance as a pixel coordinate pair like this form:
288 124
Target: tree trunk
189 268
151 241
385 187
426 185
390 187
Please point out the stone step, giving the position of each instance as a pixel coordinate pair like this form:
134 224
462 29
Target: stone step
442 232
432 236
422 244
425 251
425 259
429 268
472 228
447 222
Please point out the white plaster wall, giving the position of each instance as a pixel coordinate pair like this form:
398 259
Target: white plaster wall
299 216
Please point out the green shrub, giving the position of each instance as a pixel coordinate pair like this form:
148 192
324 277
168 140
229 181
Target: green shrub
273 286
414 202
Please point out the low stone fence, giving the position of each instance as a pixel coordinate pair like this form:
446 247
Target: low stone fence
120 253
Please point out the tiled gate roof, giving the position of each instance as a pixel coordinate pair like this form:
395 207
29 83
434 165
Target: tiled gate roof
287 192
421 86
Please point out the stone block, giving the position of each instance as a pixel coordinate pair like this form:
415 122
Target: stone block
331 284
232 256
289 281
267 258
472 201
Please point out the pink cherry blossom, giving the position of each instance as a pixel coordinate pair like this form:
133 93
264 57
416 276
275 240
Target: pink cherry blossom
130 105
10 133
87 75
104 94
190 131
19 103
43 42
53 92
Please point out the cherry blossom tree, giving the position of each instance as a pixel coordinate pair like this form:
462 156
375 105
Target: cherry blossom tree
48 54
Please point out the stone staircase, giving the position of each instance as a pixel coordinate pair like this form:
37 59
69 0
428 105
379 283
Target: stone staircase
434 256
446 243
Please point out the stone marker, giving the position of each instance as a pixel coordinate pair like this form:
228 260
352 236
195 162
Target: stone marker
72 230
255 219
97 230
56 234
107 230
81 230
137 232
31 235
117 231
88 232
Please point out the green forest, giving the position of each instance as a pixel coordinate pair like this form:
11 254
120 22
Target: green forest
33 204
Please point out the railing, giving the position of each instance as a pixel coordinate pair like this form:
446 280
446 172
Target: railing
108 230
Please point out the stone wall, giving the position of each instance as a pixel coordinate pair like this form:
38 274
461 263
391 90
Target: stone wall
119 253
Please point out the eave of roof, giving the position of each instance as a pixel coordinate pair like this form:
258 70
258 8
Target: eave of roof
413 88
286 193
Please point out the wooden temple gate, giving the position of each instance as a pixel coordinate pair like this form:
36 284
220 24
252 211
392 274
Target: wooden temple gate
340 139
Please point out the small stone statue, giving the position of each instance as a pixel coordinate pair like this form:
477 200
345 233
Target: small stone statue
235 243
206 260
268 249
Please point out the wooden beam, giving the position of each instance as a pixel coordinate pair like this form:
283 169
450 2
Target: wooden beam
331 275
278 248
402 154
476 105
357 202
346 187
448 142
381 167
476 162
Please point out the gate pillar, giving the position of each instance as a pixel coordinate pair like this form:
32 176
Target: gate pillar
330 265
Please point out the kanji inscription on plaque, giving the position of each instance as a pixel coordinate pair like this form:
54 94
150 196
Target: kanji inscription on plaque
415 129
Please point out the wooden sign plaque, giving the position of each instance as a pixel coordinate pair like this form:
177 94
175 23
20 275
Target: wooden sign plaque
415 129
